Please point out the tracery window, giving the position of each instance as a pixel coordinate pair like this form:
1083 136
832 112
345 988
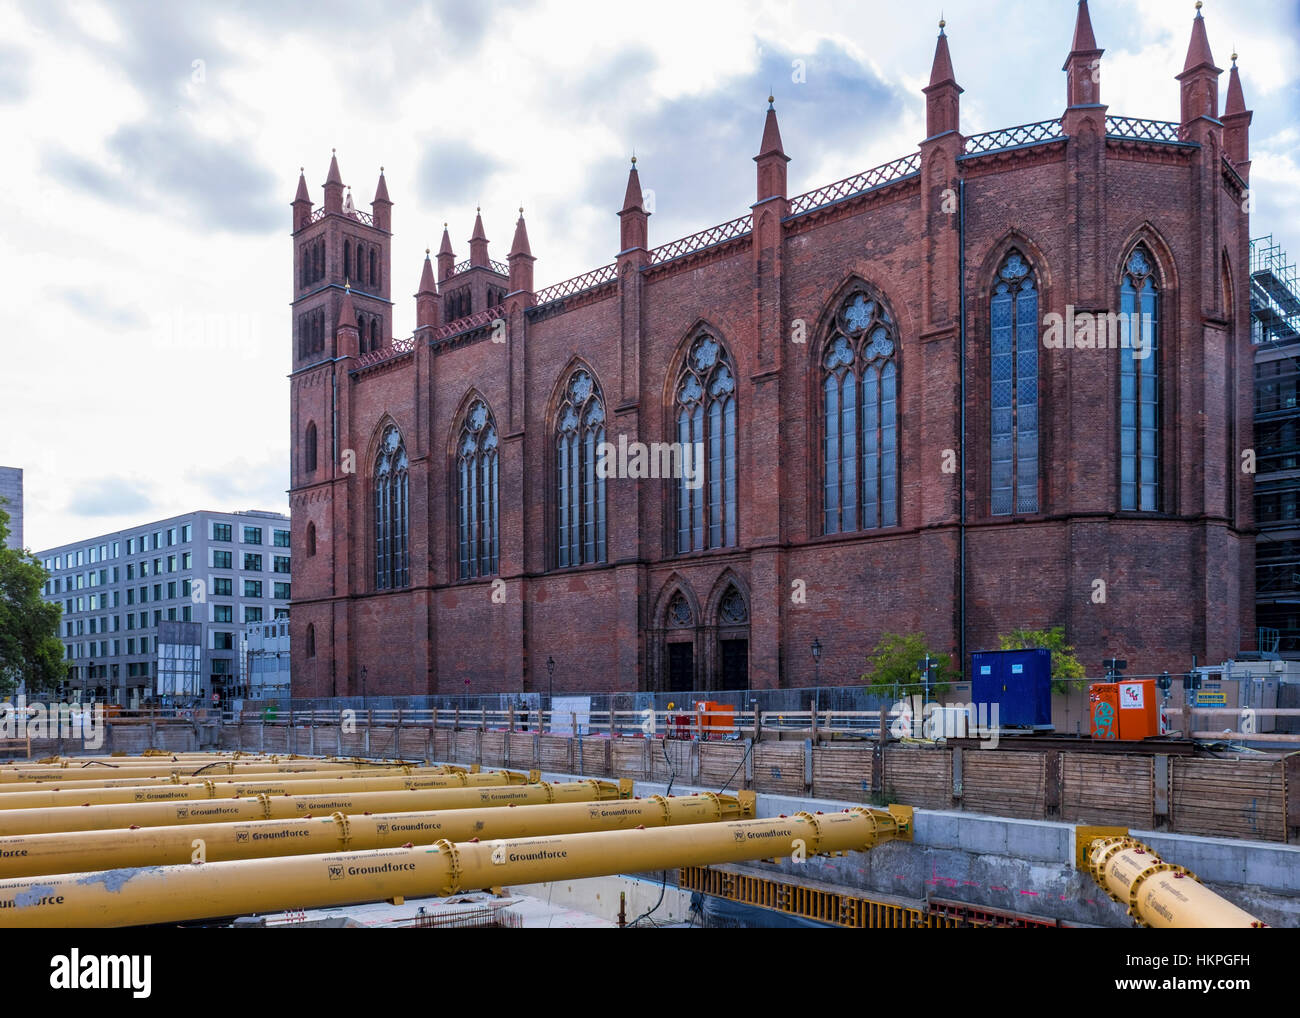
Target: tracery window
476 492
1139 384
392 512
706 422
580 492
860 400
1013 332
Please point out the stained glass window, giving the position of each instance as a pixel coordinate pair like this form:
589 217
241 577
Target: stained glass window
1013 403
392 512
706 435
476 493
859 388
580 501
1139 385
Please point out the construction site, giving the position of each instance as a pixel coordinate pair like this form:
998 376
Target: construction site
705 817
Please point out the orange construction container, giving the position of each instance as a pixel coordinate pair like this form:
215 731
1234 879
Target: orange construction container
1103 710
1139 710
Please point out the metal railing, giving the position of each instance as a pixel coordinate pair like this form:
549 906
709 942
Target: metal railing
362 217
859 183
1013 137
711 237
1142 130
474 321
578 284
396 349
500 268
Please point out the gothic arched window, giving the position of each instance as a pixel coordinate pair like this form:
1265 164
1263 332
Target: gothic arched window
374 334
311 641
392 512
309 452
372 268
705 405
859 406
476 492
1013 335
580 492
1139 385
311 539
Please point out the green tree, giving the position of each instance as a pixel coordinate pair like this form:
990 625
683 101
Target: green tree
1065 665
30 649
897 661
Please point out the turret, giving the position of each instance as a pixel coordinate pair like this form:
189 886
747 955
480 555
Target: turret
521 260
1236 124
381 207
1083 65
347 336
301 203
1199 78
334 186
478 243
427 301
771 158
634 220
446 257
942 105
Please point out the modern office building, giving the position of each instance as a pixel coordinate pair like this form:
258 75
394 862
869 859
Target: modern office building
264 660
158 610
1275 332
11 501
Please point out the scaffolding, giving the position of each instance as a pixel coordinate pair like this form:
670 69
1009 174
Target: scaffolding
1274 295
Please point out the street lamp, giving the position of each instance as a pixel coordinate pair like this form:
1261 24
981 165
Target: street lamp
817 659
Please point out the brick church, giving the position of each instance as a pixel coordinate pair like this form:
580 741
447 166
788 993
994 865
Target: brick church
897 432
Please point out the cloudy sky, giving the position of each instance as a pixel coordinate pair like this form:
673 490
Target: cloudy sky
152 150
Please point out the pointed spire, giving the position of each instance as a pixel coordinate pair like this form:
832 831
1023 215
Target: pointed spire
381 189
941 70
427 284
1084 40
632 197
1199 79
1236 99
633 219
1198 50
381 208
771 158
520 245
427 300
521 260
301 203
771 143
1083 64
1236 124
942 103
334 186
478 243
446 257
347 314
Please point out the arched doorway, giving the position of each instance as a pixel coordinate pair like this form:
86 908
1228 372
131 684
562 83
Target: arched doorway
732 641
679 645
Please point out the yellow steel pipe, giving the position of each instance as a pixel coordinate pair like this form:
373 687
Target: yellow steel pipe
231 789
178 778
160 894
283 807
1158 894
60 775
31 855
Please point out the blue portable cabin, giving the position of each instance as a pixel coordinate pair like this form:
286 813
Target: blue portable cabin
1018 681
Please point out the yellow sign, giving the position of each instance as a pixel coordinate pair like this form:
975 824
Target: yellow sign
1211 699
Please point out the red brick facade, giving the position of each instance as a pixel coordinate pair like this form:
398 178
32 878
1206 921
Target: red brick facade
1073 197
